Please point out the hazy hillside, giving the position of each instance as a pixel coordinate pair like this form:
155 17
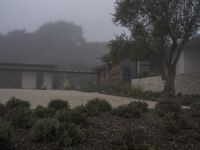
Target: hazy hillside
53 43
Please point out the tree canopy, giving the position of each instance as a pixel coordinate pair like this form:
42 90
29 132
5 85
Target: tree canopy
159 29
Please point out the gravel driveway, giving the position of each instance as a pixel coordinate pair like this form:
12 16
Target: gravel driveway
42 97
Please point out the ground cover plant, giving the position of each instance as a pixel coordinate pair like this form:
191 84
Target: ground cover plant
130 126
132 110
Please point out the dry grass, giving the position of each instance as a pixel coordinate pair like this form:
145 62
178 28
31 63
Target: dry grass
42 97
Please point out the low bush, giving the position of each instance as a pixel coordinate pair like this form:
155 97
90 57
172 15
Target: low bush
20 117
134 139
6 136
71 135
95 106
2 110
58 104
14 103
72 116
43 112
132 110
166 106
45 130
195 108
173 123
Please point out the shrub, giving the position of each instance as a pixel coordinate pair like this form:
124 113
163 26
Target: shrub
78 117
43 112
73 116
71 135
134 139
95 106
165 106
2 110
6 136
45 130
20 117
132 110
195 108
58 104
173 123
63 116
17 103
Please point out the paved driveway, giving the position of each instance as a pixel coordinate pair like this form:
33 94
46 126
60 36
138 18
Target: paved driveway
42 97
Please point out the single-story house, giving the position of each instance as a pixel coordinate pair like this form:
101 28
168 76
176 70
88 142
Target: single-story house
41 76
126 71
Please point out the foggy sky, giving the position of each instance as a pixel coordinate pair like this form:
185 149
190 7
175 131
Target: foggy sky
93 15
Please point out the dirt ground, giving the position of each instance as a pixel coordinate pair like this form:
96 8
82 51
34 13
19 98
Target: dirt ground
42 97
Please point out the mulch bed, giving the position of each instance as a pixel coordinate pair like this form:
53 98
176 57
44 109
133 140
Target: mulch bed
104 132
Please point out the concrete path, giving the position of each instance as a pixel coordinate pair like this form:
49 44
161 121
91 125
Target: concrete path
42 97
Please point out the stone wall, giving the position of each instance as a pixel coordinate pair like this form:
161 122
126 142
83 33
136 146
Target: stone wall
185 83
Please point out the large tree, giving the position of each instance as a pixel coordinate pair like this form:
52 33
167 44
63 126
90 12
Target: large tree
159 29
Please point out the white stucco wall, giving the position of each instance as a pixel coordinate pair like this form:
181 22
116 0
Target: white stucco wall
47 80
29 80
180 68
192 60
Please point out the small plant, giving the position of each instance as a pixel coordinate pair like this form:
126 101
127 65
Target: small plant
71 135
132 110
2 110
6 136
58 104
14 103
95 106
43 112
134 139
173 123
195 108
72 116
20 117
166 106
45 130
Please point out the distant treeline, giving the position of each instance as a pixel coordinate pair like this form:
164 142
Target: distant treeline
59 43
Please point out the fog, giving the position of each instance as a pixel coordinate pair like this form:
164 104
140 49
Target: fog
93 15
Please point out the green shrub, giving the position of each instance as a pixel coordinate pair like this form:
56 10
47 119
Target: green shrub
173 123
78 117
6 136
45 130
20 117
71 135
58 104
80 108
97 105
134 139
166 106
72 116
2 110
17 103
195 108
132 110
43 112
63 116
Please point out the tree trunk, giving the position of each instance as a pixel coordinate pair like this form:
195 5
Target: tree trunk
169 87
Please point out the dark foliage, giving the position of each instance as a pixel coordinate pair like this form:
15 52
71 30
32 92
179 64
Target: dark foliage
95 106
45 130
43 112
2 110
166 106
20 117
195 108
58 104
132 110
6 136
14 103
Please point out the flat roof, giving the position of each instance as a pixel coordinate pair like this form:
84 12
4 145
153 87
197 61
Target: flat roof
40 68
